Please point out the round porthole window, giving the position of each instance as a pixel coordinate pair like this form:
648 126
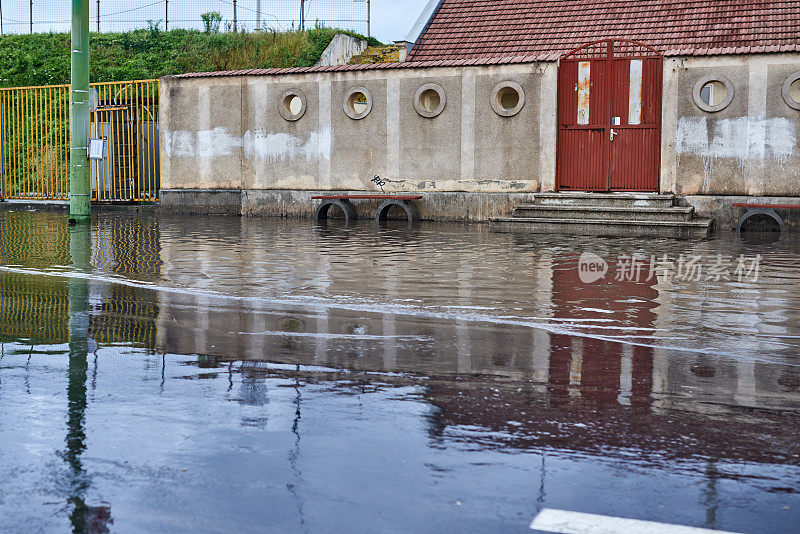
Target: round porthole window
358 103
713 93
430 100
293 105
791 90
508 98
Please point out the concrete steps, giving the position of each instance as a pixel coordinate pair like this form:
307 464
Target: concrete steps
602 212
608 214
623 200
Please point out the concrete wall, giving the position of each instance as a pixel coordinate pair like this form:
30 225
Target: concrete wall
749 148
227 133
341 50
226 147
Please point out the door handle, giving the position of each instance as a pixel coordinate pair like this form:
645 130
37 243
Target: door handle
613 134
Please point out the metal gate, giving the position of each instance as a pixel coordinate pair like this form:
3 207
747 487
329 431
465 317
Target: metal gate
609 117
34 142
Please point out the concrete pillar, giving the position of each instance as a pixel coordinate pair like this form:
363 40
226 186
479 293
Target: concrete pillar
468 126
325 98
548 128
393 127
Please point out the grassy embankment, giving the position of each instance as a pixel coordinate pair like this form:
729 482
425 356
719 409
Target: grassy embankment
43 59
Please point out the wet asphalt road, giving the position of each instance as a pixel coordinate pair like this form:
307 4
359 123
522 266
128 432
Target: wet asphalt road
185 375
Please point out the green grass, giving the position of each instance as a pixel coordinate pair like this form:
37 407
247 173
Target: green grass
43 59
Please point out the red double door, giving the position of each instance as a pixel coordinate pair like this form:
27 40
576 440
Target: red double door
609 118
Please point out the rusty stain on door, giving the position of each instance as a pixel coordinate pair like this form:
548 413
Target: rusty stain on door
584 90
635 94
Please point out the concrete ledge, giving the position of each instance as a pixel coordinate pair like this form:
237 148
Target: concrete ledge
34 205
201 201
726 217
63 206
439 206
443 206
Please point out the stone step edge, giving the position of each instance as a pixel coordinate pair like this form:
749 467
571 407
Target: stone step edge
585 194
607 193
695 223
635 209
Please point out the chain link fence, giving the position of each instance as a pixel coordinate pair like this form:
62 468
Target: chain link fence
37 16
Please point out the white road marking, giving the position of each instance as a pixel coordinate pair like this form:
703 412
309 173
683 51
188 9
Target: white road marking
563 522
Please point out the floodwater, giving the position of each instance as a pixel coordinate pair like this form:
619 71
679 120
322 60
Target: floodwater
200 374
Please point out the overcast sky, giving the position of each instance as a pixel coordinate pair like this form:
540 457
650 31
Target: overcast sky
391 19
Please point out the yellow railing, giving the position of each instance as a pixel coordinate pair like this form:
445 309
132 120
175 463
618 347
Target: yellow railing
127 119
34 136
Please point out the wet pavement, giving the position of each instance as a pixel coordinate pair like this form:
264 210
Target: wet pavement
200 374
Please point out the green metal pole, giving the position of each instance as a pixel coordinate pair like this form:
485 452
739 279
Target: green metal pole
79 172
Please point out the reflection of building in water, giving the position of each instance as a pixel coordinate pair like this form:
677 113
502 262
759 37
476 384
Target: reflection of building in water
609 397
598 351
526 419
35 307
758 314
599 371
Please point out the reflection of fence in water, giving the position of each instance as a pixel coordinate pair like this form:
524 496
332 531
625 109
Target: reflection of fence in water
35 308
35 142
122 314
37 313
41 316
125 316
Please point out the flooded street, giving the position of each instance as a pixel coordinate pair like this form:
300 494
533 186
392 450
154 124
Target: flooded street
201 374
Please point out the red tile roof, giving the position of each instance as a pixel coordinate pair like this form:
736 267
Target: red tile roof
545 29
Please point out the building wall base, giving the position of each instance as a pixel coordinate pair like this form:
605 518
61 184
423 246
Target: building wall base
440 206
726 217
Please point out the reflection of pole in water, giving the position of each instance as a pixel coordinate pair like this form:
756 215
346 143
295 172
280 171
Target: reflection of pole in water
83 517
542 493
389 324
295 453
710 494
463 341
